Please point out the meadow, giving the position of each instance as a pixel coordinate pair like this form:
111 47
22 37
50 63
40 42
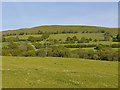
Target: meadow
56 72
98 36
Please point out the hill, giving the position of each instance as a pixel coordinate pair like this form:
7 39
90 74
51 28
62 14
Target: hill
61 28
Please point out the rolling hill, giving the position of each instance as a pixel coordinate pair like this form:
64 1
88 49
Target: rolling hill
61 28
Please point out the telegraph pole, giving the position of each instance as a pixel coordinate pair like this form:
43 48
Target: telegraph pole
46 48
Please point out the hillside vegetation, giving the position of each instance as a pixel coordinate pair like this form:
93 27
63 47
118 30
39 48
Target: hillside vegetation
61 28
60 57
58 41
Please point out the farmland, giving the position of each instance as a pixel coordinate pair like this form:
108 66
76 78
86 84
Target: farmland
54 72
98 36
60 57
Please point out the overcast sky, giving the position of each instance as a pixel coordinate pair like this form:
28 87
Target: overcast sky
17 15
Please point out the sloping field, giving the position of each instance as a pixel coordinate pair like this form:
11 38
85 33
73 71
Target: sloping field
54 72
99 36
59 28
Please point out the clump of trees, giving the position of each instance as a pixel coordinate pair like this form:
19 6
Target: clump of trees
26 50
107 36
117 38
10 39
84 40
39 45
102 31
21 49
75 39
36 39
80 45
70 40
64 32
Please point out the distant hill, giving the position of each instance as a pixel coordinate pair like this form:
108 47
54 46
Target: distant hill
61 28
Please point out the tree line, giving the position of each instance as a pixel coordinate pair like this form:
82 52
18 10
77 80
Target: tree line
27 50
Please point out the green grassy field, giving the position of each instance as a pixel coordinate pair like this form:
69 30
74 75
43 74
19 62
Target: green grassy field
89 49
98 36
24 36
53 72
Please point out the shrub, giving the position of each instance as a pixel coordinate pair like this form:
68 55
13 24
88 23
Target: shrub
81 53
38 45
41 52
11 39
30 53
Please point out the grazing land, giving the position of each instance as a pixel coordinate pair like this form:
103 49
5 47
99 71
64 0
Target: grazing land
60 57
56 72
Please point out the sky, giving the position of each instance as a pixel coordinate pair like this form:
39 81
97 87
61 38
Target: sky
16 15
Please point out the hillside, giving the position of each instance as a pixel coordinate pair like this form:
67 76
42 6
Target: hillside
61 28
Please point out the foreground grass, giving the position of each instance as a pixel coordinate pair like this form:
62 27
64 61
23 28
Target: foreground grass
50 72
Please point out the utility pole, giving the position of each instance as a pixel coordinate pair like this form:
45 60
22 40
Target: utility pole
46 48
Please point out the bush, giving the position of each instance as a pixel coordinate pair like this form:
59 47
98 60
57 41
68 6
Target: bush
34 39
13 45
80 46
11 52
38 45
30 53
25 46
41 52
11 39
80 52
105 53
60 51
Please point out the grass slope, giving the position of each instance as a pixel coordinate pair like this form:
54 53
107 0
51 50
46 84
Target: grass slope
52 72
59 28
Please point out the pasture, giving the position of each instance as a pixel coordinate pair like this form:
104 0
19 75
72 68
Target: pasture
98 36
54 72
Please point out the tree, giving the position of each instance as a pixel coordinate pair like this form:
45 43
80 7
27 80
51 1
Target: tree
40 32
59 51
45 35
60 39
31 38
41 52
38 45
21 33
118 37
13 45
95 56
83 39
107 36
90 39
25 46
11 39
82 53
95 40
68 39
105 53
3 39
102 31
74 38
56 41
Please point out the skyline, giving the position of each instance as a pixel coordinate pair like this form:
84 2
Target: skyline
30 14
